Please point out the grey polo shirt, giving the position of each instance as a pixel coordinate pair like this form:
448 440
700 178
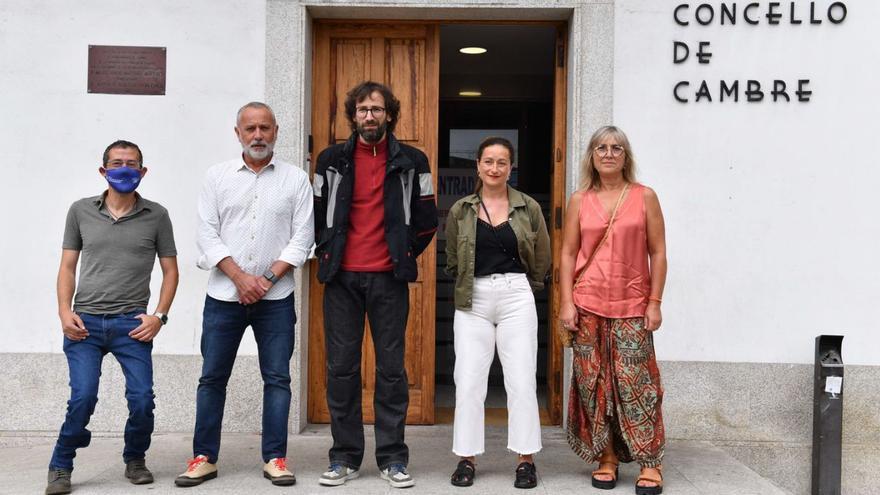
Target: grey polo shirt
117 256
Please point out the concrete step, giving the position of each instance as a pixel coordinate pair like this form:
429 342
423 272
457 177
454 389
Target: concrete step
691 468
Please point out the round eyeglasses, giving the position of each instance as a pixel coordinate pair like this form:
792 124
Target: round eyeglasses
603 150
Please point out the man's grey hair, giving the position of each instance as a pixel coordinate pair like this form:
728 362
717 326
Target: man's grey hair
257 105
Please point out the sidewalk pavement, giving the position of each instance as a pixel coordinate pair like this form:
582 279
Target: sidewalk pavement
690 467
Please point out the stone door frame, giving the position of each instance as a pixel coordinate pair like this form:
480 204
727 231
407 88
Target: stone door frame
288 90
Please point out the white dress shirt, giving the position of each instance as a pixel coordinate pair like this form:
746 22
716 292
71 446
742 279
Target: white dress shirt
256 218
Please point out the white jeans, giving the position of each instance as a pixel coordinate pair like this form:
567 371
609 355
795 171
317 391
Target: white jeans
503 314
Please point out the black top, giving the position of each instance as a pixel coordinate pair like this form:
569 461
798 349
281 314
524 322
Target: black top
490 257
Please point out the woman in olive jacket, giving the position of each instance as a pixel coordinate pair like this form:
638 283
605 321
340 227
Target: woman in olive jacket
498 250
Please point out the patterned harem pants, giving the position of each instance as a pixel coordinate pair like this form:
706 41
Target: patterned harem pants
615 393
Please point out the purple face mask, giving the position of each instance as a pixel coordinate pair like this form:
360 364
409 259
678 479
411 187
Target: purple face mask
123 179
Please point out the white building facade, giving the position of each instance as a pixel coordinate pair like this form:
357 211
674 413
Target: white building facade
769 204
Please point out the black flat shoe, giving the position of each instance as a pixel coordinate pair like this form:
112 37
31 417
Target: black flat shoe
526 475
464 473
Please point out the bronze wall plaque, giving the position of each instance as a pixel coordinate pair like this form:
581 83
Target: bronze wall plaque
127 70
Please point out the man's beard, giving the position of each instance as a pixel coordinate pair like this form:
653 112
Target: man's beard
372 135
257 154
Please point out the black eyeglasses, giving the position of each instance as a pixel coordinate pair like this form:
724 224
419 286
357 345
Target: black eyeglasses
376 111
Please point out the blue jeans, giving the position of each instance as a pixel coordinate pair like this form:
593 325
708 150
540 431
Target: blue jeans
107 333
223 325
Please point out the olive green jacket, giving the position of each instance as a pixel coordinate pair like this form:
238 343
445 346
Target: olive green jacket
528 225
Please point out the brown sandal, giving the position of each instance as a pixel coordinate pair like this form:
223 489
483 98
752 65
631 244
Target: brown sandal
608 465
650 478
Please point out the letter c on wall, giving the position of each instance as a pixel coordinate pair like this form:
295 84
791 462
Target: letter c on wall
675 91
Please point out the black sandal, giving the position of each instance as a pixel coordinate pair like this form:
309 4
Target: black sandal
526 475
464 473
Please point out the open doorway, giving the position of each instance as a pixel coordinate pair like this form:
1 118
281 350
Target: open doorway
523 85
507 90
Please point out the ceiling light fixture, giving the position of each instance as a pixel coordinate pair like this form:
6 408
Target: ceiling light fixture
470 92
473 50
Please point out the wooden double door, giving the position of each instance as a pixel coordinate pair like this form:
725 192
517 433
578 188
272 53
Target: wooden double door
406 57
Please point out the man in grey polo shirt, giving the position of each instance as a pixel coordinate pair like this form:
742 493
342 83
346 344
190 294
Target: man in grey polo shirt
119 235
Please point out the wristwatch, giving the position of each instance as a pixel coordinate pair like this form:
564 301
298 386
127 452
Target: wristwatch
270 276
162 316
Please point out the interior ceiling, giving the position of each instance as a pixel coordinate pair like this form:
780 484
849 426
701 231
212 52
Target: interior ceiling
512 49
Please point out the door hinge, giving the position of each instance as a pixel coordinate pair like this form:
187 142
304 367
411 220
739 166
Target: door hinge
558 219
311 143
560 54
558 155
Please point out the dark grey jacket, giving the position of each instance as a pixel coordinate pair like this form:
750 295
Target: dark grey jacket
409 203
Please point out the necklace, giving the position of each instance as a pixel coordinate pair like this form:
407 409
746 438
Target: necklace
116 214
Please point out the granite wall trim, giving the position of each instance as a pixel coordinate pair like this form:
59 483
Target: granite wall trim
788 464
718 402
761 413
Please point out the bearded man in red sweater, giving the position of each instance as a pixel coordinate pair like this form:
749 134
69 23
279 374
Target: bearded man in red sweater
375 212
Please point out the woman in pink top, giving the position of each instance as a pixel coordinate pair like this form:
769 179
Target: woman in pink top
611 285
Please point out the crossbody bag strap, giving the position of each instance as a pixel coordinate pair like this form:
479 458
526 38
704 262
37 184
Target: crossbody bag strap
604 237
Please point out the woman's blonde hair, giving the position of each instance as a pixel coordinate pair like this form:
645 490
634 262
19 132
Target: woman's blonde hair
589 174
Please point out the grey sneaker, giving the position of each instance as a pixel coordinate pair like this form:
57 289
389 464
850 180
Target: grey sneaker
337 474
136 471
398 477
59 482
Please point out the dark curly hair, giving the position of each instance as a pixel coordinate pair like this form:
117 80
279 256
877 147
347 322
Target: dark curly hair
360 92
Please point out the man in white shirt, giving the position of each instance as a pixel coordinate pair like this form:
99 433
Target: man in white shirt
255 225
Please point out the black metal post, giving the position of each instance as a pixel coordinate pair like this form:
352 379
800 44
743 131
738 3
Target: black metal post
827 415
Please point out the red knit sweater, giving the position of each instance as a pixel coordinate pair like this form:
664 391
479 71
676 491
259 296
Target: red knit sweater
366 249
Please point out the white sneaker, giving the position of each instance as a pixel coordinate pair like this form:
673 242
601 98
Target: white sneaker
337 474
396 475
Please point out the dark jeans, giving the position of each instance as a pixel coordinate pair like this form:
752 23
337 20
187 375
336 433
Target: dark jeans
223 325
385 301
107 333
